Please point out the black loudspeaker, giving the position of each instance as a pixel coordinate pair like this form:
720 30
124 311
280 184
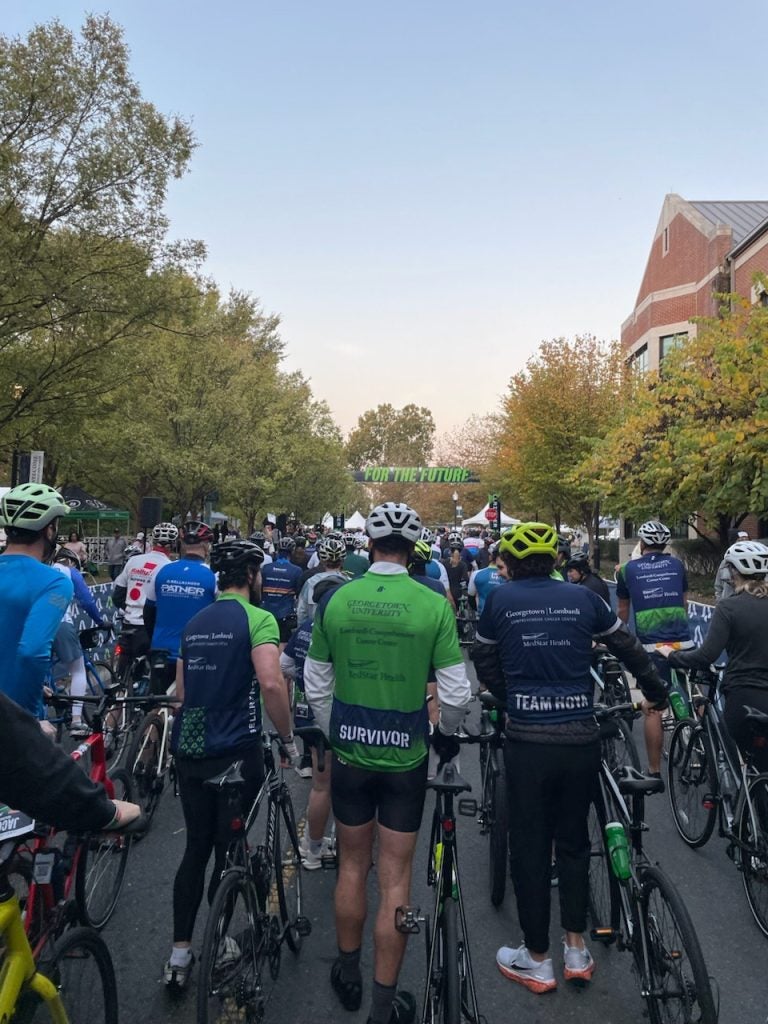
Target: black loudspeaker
282 522
150 511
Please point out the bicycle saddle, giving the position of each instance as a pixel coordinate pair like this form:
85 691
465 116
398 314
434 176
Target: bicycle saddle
758 720
231 776
631 781
448 780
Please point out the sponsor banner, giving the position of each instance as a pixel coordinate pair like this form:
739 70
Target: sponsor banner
102 595
415 475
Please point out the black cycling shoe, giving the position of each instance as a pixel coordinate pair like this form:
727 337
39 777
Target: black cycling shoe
403 1009
349 992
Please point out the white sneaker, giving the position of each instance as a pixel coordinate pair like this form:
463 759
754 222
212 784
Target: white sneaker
518 965
579 965
176 976
313 861
79 729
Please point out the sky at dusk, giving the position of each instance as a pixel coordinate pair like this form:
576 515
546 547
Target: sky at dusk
423 191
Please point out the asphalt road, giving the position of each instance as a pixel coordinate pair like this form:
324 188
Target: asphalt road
736 953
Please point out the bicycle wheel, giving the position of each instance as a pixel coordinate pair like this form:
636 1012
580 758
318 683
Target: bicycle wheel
144 762
619 749
604 904
235 978
679 987
81 968
449 941
692 783
753 832
497 847
101 866
287 861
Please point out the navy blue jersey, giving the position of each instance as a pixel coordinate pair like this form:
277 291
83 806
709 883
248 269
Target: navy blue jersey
655 584
280 587
178 591
432 584
296 649
544 633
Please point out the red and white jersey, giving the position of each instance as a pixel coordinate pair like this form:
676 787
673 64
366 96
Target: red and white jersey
137 572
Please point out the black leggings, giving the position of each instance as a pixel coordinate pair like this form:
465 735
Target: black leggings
549 790
737 700
200 805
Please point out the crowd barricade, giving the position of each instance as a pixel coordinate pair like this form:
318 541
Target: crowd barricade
102 595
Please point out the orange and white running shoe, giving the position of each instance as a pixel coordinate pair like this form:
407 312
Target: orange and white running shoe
518 965
579 965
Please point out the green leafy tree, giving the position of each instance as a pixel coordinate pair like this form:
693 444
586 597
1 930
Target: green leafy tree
555 411
693 443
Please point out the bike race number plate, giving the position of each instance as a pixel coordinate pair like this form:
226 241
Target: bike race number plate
14 823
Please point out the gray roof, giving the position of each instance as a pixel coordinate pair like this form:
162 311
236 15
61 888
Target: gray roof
742 217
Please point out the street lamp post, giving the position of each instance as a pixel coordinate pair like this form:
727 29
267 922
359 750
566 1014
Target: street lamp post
455 498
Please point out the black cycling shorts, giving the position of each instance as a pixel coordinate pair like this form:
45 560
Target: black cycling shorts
397 798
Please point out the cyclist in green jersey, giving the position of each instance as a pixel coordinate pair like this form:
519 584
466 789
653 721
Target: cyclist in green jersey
375 645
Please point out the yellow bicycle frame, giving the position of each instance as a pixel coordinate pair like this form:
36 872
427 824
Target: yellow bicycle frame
18 971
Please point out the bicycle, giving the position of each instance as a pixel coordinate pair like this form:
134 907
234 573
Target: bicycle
99 862
450 995
466 621
611 689
257 905
492 812
75 980
149 760
711 783
633 904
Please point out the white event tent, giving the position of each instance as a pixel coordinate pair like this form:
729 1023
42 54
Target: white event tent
354 522
480 520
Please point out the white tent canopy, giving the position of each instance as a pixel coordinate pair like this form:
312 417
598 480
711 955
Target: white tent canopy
354 522
480 520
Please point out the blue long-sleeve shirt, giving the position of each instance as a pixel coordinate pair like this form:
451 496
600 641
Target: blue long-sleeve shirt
33 600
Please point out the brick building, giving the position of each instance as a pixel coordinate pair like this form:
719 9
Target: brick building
699 249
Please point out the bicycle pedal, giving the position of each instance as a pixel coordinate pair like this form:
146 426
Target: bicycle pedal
303 926
605 935
468 807
408 920
328 862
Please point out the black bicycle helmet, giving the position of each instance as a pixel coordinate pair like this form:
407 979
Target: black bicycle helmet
257 537
232 554
196 532
579 561
287 544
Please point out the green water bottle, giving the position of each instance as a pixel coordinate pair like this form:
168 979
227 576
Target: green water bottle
678 705
618 850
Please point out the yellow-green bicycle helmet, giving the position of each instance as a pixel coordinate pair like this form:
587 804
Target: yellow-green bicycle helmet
526 539
422 551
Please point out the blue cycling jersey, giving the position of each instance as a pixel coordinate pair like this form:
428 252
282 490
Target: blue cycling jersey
433 570
544 631
178 591
482 583
656 584
280 584
33 600
297 648
427 581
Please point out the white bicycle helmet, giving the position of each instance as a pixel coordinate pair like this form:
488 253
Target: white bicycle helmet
331 549
748 557
654 533
164 533
427 535
394 518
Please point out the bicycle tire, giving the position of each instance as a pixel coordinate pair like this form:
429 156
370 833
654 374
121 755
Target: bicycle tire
679 988
143 763
691 777
234 979
604 902
82 970
498 844
101 866
287 863
754 859
449 941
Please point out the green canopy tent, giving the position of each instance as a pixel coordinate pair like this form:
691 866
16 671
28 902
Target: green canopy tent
87 509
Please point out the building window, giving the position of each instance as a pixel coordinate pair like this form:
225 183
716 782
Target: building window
665 242
669 341
639 360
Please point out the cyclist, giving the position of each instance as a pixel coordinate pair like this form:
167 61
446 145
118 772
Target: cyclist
130 590
656 584
313 842
579 571
417 567
299 554
563 556
33 596
435 568
533 650
330 552
456 568
353 564
723 578
259 537
374 645
176 592
66 644
280 588
219 721
740 627
483 581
